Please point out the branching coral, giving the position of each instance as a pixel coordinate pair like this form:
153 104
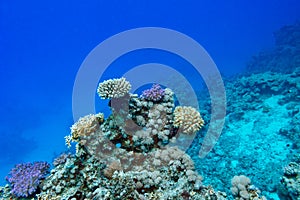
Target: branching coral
188 119
26 177
113 88
156 93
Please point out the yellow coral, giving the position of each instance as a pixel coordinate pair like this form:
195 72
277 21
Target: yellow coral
113 88
84 127
188 119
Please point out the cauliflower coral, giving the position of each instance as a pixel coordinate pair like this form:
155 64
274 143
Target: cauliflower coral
187 119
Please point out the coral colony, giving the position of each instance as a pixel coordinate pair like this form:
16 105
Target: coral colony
25 178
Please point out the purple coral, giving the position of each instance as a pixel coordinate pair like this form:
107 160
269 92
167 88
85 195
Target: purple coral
25 177
155 93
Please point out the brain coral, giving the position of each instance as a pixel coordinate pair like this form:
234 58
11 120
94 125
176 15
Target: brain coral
188 119
113 88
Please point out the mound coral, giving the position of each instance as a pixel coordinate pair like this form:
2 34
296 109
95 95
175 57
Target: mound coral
155 93
113 88
187 119
26 177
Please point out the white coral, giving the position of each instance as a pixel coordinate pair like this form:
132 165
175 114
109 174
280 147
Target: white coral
188 119
113 88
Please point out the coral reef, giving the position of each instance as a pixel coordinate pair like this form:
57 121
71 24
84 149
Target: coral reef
126 156
87 177
261 131
113 88
25 178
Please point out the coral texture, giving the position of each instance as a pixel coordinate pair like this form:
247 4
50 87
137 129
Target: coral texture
113 88
155 93
26 177
188 119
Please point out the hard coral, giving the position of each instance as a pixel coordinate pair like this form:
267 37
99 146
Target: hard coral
62 159
25 178
156 93
241 188
113 88
289 187
188 119
84 127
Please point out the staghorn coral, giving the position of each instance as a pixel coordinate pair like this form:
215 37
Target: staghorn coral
113 88
188 119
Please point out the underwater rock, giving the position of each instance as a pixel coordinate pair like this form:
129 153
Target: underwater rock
284 57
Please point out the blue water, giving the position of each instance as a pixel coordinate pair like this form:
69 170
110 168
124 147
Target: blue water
42 45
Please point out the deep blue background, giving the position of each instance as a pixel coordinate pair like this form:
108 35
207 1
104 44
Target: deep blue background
42 45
